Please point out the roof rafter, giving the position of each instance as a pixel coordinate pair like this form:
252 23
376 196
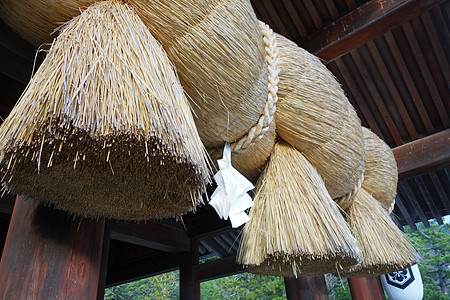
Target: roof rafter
362 25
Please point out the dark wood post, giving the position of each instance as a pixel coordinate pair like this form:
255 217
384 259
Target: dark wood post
306 287
189 287
50 254
104 262
366 288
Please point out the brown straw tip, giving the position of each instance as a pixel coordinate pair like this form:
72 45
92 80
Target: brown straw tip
104 127
384 248
295 227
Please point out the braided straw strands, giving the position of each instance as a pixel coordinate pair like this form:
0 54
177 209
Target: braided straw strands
218 49
384 248
380 172
314 115
104 128
295 226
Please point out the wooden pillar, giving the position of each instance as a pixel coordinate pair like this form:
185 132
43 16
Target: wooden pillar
366 288
49 254
104 262
189 287
306 287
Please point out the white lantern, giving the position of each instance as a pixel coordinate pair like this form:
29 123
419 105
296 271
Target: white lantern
403 285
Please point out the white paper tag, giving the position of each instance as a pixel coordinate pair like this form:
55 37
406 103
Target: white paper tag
230 199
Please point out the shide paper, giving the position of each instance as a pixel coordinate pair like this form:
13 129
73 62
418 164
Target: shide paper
230 199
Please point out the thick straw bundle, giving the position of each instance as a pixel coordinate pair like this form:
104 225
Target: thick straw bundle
380 172
384 248
104 128
36 20
218 50
295 226
314 115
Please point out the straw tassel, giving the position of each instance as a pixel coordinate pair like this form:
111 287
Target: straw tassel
104 128
295 228
384 248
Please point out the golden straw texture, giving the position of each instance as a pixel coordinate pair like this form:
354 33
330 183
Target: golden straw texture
380 173
36 20
314 115
384 248
250 152
295 226
104 128
218 50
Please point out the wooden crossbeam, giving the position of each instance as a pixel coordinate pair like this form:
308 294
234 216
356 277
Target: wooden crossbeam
143 268
226 266
362 25
423 155
151 235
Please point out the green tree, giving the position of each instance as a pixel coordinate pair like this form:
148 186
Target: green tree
164 286
338 288
434 246
244 286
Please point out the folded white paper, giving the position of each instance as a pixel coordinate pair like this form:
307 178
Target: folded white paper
230 199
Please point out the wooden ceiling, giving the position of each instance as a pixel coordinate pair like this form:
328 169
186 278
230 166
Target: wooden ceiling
391 57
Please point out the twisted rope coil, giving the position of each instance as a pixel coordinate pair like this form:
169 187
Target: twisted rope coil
345 201
257 131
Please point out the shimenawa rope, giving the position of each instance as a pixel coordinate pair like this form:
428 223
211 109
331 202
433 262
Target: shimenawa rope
266 118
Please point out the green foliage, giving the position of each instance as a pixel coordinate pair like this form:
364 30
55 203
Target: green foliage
164 286
434 246
244 286
338 288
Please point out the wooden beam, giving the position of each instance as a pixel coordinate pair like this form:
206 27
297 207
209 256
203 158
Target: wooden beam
306 287
423 155
210 270
362 25
366 288
142 268
49 254
151 235
205 223
212 246
104 263
405 189
189 286
405 213
429 200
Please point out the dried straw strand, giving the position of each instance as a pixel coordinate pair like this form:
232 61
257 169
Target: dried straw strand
104 128
218 50
295 227
314 115
381 175
261 137
384 248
